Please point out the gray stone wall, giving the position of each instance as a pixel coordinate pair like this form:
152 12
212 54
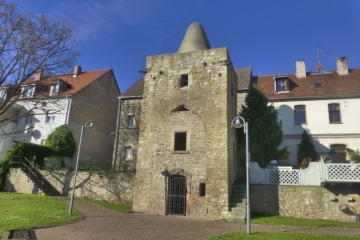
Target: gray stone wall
17 181
339 202
209 153
116 187
128 136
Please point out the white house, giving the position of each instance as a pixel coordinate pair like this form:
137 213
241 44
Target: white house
72 99
325 103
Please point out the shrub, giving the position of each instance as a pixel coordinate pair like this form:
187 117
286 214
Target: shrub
62 141
306 148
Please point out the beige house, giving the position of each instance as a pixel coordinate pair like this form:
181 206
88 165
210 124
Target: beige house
71 99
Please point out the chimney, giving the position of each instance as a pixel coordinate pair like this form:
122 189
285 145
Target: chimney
77 71
342 66
300 69
39 74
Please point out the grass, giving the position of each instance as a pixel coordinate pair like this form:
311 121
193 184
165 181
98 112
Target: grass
282 236
27 211
111 206
264 219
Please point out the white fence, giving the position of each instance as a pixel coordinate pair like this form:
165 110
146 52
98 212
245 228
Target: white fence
314 175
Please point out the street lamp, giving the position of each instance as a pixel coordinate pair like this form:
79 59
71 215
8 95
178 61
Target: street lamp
239 122
88 124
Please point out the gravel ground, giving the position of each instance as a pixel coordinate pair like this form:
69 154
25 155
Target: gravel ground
100 223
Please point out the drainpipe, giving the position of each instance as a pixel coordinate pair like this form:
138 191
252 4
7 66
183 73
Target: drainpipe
117 135
68 97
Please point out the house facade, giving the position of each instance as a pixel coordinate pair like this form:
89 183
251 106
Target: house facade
72 99
325 104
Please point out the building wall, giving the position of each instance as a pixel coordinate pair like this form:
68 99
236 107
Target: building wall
317 123
113 187
98 102
38 130
207 124
128 136
340 202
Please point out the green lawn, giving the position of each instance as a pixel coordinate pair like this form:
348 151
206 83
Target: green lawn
26 211
279 236
111 206
259 218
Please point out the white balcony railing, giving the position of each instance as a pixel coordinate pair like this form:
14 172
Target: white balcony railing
314 175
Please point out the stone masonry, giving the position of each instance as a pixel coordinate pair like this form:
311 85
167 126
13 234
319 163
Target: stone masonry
203 110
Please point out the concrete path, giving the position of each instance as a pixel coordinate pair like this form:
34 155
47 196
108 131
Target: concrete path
100 223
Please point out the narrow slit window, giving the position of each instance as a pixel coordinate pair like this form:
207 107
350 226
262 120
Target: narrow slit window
184 80
202 190
180 141
131 121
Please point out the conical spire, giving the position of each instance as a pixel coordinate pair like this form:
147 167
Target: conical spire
195 39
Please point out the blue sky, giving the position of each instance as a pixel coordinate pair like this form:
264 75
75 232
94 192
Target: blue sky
267 35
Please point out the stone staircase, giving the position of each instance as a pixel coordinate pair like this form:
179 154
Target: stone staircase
237 211
45 187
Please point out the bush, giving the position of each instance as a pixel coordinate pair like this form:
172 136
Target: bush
62 142
306 148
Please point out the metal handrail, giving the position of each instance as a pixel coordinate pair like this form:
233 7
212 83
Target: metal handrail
26 165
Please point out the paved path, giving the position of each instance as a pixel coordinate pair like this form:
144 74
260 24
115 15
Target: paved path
100 223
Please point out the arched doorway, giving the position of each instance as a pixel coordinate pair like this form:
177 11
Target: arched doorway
177 195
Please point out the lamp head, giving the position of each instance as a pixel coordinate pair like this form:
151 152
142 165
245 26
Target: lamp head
91 124
237 123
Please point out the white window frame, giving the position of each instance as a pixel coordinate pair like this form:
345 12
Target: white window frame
54 89
28 91
3 93
128 153
50 119
131 120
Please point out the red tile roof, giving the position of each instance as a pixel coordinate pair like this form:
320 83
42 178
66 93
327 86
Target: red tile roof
74 84
334 86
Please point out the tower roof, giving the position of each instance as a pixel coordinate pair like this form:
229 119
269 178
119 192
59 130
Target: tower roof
195 39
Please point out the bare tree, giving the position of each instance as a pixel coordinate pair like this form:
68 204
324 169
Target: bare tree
29 43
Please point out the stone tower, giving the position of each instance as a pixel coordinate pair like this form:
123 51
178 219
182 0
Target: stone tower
186 150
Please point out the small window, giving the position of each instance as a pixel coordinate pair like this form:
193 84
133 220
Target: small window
184 80
50 119
54 89
334 113
43 142
3 93
128 154
28 119
202 190
131 121
337 153
318 85
299 114
27 91
281 85
180 141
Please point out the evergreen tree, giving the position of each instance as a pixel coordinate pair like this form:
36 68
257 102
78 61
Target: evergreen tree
265 133
62 141
306 149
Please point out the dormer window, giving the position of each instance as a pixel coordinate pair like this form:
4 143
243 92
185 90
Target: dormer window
55 89
28 91
3 93
281 84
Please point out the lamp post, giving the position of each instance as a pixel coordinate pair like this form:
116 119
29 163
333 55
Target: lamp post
239 122
88 124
